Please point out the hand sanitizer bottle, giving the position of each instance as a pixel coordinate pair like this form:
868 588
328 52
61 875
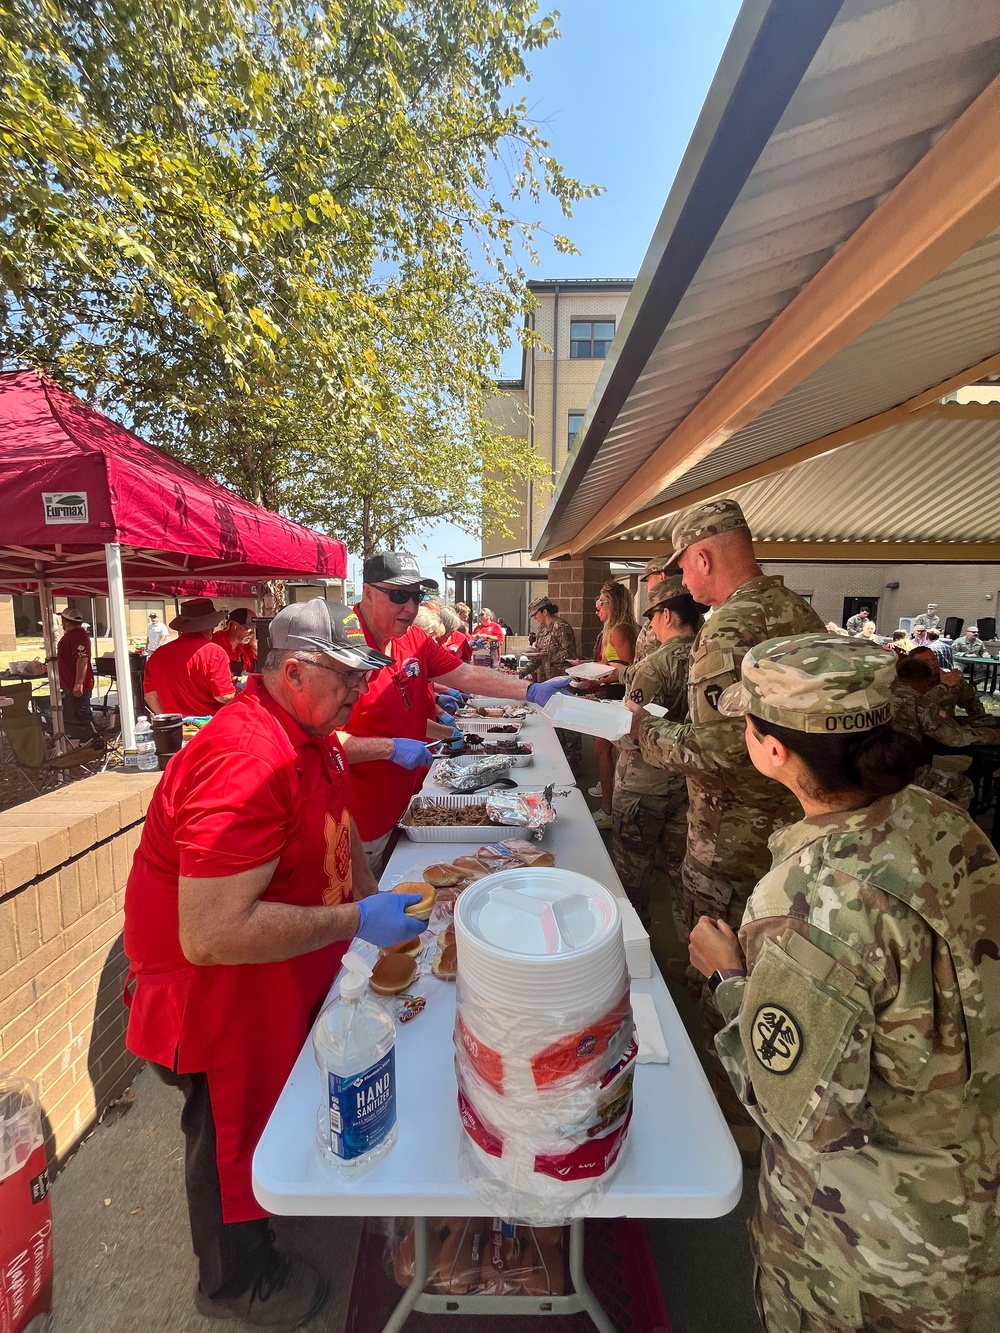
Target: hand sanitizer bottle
354 1044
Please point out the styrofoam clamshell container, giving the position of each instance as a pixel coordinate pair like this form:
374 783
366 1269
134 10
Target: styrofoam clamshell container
540 938
592 717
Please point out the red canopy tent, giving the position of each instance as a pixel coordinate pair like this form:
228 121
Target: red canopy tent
88 507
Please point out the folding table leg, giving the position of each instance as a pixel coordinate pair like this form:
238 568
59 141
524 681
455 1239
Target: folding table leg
412 1293
581 1286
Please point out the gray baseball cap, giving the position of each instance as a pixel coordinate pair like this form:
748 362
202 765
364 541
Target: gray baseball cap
318 626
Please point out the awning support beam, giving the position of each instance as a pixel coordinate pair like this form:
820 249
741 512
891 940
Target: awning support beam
947 204
119 637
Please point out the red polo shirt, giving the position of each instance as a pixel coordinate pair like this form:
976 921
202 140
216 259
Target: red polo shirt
398 703
71 647
250 788
187 674
458 643
240 652
491 628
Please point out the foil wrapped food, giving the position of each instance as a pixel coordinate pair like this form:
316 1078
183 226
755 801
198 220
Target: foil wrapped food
473 774
526 809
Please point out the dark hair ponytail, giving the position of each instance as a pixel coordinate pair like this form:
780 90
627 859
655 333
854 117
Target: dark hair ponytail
879 762
690 613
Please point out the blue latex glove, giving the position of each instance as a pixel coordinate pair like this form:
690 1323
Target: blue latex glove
451 700
457 738
409 753
542 691
384 920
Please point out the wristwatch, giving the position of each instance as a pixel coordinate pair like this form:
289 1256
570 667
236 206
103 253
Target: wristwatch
717 978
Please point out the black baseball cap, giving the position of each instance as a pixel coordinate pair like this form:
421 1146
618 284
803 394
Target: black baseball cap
318 626
395 567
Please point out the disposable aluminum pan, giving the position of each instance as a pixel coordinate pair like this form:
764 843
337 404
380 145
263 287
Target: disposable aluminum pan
478 833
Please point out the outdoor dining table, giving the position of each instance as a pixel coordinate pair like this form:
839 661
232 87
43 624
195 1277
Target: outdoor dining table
548 762
991 669
679 1159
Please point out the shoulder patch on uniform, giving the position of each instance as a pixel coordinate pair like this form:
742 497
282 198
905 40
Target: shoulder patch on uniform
713 693
636 696
776 1039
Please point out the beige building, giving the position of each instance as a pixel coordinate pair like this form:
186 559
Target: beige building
575 322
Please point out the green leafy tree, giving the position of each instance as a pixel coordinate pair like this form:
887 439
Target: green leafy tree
256 229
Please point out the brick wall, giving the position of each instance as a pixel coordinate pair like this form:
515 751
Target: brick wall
64 861
573 586
8 640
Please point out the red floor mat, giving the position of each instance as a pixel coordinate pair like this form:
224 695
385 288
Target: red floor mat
618 1264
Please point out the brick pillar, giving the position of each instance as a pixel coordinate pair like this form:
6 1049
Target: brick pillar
573 586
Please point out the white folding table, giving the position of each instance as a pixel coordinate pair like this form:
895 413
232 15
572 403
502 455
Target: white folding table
679 1159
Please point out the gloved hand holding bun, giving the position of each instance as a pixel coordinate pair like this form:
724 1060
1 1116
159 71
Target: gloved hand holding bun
384 919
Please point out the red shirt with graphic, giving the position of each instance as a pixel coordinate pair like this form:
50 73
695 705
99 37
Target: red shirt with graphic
73 645
398 703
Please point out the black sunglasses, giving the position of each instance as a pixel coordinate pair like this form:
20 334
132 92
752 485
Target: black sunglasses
400 596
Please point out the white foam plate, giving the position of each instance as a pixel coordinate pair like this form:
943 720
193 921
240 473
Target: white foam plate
590 671
593 717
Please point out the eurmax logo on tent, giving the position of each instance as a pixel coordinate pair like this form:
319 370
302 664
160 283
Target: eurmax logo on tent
65 506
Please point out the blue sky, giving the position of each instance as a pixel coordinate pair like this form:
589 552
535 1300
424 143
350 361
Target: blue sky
617 97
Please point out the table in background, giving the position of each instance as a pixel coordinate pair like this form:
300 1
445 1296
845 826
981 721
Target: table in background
991 669
548 763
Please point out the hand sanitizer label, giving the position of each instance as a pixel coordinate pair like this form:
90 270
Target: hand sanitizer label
362 1108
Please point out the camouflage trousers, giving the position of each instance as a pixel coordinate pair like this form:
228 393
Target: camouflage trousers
795 1294
648 835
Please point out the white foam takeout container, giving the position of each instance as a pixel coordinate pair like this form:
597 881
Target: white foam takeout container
594 717
590 671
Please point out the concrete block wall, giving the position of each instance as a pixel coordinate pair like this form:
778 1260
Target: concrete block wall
64 861
573 586
8 639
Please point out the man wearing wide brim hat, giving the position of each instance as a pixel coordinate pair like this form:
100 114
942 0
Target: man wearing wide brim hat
190 675
732 810
649 805
76 676
652 577
248 885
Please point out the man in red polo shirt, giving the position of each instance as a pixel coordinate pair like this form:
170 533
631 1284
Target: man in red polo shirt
385 740
234 640
190 675
247 886
76 677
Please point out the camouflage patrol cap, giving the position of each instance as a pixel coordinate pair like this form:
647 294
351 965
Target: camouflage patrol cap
540 604
706 520
659 564
671 587
815 683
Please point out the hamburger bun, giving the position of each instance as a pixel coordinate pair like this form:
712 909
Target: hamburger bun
445 965
393 974
410 947
428 894
443 875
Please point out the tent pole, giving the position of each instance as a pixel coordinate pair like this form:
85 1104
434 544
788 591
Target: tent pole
48 610
119 638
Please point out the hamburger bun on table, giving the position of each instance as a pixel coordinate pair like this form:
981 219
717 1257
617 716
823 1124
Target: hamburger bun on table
428 895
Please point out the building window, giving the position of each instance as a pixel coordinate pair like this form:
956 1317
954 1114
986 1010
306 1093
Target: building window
590 339
575 422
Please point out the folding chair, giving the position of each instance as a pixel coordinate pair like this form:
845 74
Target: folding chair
26 741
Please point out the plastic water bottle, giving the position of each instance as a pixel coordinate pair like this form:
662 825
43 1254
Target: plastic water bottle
145 746
355 1048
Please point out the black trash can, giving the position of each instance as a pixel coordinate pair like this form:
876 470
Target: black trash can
168 736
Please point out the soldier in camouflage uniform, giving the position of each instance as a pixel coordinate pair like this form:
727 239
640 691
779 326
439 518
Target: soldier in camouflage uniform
732 810
971 645
856 624
649 807
929 618
652 576
555 644
919 708
862 1011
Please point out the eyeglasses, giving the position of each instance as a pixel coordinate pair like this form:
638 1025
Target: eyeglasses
400 596
350 678
602 601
